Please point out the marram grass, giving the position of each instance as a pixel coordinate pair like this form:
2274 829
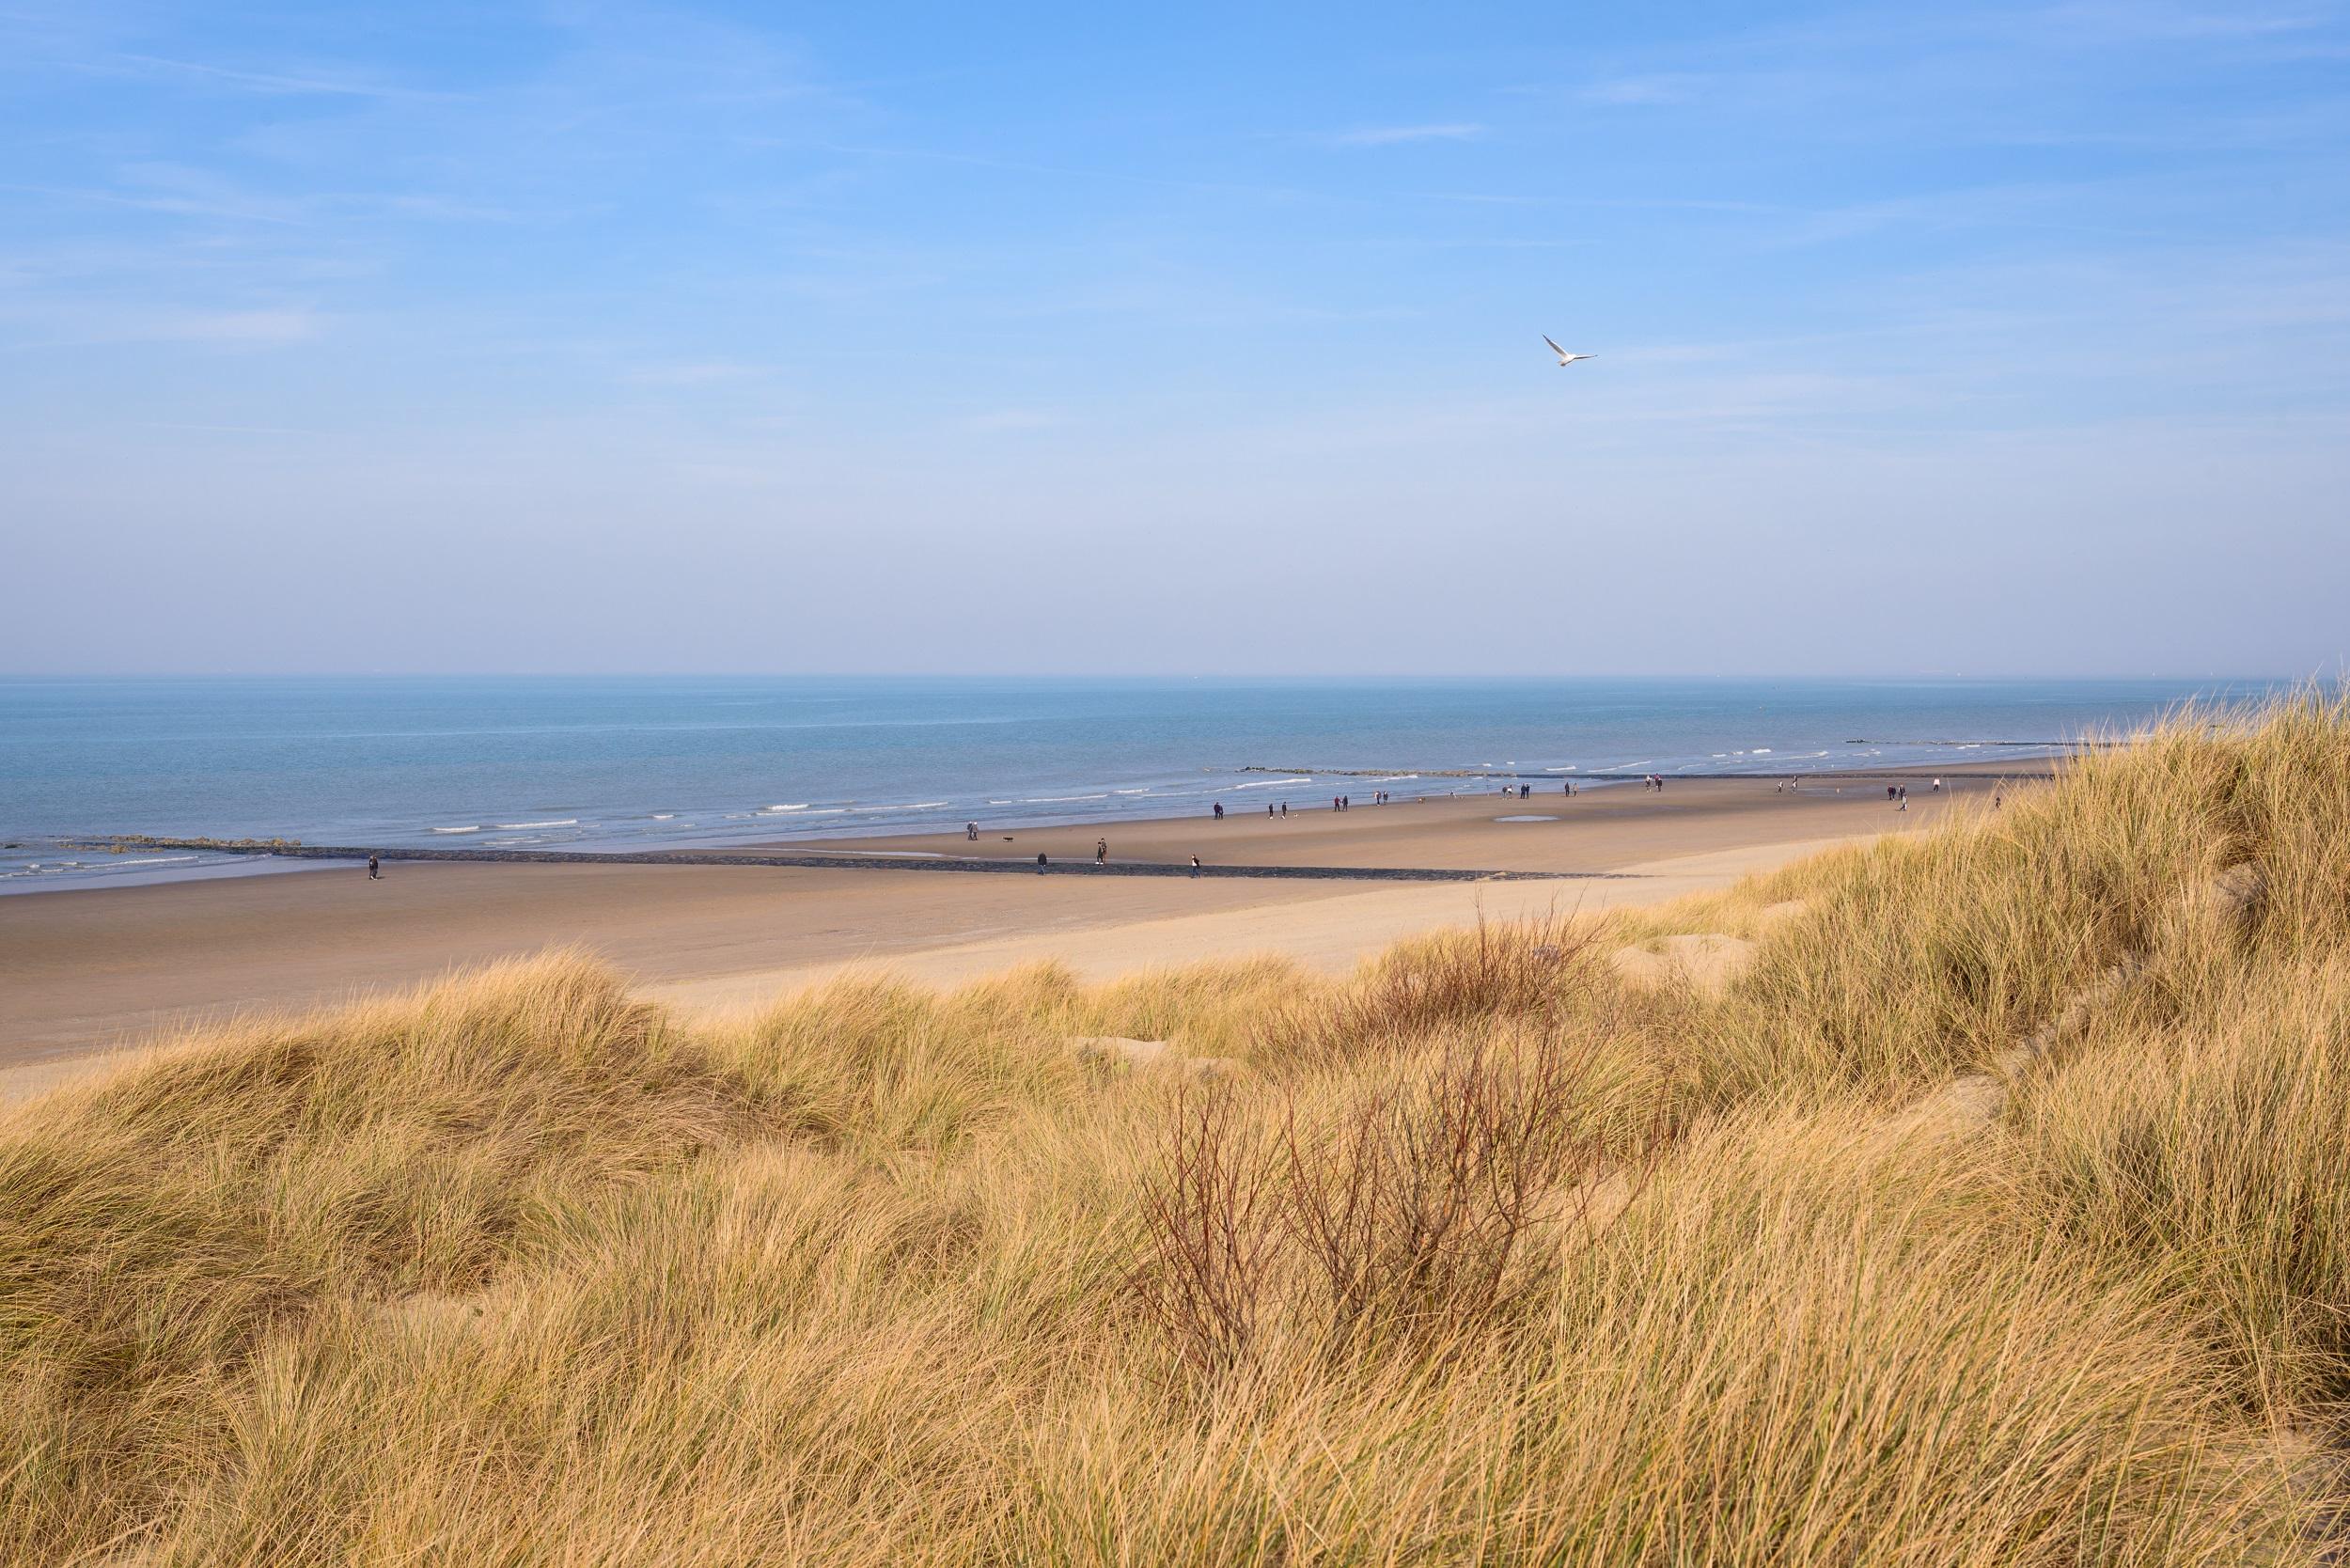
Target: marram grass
1478 1255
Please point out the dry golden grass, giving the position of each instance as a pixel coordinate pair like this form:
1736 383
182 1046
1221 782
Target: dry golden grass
1482 1257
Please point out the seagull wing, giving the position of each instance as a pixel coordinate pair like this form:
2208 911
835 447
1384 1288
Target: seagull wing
1556 349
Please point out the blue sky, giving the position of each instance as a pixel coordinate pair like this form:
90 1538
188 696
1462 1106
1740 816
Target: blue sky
1932 340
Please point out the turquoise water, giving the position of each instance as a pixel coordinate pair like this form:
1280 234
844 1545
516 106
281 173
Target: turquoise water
598 763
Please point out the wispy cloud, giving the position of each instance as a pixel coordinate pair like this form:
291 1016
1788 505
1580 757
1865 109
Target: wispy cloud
696 373
1393 135
271 82
1634 91
222 429
88 323
1004 421
259 328
2110 21
1057 171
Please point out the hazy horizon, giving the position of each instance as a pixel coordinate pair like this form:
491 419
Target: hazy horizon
2006 340
1758 677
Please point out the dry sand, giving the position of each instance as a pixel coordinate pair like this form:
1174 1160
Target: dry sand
88 971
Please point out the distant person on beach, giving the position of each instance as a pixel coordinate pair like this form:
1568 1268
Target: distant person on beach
1100 851
1268 808
375 869
1285 808
1937 786
1039 862
971 831
1219 810
1194 865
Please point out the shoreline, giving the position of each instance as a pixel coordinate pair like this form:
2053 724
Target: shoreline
91 973
2056 753
346 857
868 848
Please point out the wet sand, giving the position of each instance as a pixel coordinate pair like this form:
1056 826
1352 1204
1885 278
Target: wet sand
87 970
1596 830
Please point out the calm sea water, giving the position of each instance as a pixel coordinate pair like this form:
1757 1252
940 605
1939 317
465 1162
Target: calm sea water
581 763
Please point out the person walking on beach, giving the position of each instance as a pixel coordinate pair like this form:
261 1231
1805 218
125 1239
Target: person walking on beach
375 869
1194 868
1100 852
971 831
1039 862
1937 786
1219 810
1285 808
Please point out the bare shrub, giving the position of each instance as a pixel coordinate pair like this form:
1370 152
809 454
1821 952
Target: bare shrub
1415 1212
1206 1214
1408 1215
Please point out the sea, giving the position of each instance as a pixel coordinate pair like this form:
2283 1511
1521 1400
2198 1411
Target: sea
632 763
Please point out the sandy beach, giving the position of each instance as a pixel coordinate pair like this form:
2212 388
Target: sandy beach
1595 830
88 971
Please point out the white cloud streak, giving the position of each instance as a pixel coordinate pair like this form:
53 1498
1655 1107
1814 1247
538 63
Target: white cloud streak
1396 136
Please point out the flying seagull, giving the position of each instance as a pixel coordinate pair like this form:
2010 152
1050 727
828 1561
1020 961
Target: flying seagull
1564 357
